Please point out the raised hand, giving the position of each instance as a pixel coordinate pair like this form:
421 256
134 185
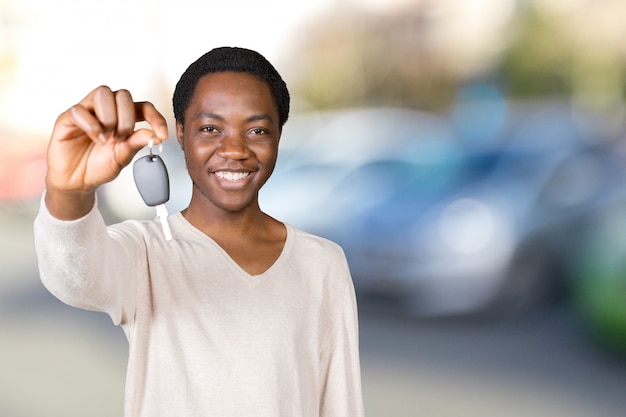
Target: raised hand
91 143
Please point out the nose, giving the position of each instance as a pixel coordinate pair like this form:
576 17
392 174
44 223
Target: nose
234 146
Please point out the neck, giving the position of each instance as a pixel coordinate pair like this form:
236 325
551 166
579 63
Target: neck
215 221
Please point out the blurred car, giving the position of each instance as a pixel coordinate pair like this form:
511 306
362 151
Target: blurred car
317 151
487 241
469 227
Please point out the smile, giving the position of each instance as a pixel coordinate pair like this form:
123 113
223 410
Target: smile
232 176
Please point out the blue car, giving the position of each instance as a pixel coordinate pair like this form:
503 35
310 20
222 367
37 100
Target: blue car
456 228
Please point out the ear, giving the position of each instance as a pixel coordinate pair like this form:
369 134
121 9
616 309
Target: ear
179 135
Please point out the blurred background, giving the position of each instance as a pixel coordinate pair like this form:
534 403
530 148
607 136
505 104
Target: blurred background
467 154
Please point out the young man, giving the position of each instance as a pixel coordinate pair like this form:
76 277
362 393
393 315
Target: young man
237 315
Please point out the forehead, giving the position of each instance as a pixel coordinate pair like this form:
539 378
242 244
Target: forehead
229 88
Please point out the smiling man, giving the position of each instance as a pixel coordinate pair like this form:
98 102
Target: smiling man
239 314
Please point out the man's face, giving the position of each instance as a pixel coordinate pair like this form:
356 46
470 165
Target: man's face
230 139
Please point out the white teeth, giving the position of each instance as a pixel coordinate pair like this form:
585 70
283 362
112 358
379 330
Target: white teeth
232 176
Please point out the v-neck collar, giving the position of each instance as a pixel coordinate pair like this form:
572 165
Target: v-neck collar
184 223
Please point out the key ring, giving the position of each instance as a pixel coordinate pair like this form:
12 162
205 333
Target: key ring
151 145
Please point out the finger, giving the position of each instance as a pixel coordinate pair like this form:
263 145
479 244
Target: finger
105 108
146 111
86 121
82 116
126 115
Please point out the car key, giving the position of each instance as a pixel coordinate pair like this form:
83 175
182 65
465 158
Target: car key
152 181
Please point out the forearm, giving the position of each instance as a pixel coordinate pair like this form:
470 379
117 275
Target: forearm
67 254
81 264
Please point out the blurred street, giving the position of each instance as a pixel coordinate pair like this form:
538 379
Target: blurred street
542 367
58 361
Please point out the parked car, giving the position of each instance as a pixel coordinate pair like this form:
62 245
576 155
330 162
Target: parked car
318 151
471 227
491 240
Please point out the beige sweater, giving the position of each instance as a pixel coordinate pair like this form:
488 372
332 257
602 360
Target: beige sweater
206 338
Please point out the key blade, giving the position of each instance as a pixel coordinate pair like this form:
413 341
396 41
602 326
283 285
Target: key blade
162 215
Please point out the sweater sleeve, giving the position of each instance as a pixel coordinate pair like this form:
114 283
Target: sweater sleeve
341 393
85 266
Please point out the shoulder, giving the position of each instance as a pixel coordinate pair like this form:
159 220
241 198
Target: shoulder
314 244
318 258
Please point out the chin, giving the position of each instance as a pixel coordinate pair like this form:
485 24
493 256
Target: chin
236 205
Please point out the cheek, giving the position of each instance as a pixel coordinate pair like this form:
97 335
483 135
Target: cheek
195 162
197 155
268 154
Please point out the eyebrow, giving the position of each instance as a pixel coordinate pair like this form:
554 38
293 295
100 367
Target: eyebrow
254 117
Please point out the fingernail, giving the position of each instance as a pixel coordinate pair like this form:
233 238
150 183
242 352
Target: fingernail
102 138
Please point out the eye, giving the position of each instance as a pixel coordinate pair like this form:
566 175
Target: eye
208 129
260 134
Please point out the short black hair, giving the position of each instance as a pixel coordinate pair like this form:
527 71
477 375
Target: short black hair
230 59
